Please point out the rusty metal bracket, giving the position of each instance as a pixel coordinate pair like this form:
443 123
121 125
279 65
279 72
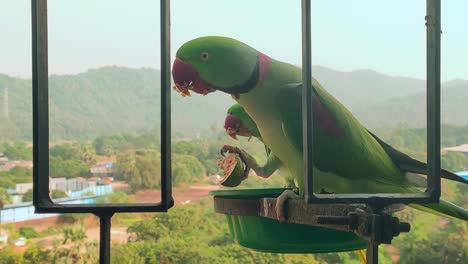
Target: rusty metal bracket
374 224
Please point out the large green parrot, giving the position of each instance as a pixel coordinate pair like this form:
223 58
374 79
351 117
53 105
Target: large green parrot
348 158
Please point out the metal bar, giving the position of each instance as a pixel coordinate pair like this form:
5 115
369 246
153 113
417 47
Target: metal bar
433 30
104 237
307 120
372 253
298 212
433 123
245 207
40 103
98 208
377 200
166 193
41 198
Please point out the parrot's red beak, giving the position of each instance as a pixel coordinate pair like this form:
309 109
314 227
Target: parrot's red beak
233 135
186 78
232 124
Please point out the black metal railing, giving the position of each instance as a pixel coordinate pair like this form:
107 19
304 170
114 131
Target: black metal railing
44 204
41 199
432 194
379 200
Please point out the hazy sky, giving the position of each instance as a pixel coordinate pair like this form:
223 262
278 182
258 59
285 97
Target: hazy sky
386 36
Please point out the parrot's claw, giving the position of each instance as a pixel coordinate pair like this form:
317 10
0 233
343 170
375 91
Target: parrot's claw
280 207
229 148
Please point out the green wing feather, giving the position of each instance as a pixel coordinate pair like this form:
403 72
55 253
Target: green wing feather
356 155
329 150
443 208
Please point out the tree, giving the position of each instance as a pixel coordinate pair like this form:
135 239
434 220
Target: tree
17 151
454 161
149 170
34 254
28 232
125 166
59 167
74 234
88 154
115 197
142 170
56 194
15 175
66 151
187 169
28 196
5 197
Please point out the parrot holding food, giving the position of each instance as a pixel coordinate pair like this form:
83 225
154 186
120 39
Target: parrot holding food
348 158
239 123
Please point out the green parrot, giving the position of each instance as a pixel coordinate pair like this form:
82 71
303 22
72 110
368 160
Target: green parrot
239 123
348 158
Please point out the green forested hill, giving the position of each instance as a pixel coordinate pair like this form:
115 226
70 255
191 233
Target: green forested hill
411 110
19 108
360 89
115 100
105 101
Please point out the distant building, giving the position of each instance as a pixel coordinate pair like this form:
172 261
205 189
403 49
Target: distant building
70 185
24 163
15 196
7 165
22 188
463 174
105 169
64 184
461 148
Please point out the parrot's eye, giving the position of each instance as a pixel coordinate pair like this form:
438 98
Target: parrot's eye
204 56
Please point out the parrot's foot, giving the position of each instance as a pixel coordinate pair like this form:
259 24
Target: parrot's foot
290 185
242 155
280 206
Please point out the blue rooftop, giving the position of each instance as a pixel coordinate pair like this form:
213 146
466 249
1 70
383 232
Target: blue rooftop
463 174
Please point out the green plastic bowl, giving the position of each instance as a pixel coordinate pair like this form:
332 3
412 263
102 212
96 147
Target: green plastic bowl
268 235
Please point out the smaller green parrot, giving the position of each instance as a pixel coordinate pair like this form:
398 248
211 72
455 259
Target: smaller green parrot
239 123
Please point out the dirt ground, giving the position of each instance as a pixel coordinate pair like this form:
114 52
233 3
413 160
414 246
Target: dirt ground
182 195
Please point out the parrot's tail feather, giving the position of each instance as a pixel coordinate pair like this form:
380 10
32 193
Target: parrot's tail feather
362 256
443 208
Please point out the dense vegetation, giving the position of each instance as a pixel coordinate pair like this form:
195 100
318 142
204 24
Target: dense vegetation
119 100
115 117
103 102
195 234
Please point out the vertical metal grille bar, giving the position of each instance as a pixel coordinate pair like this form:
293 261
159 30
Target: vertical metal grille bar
40 102
307 125
372 253
104 238
433 27
166 104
